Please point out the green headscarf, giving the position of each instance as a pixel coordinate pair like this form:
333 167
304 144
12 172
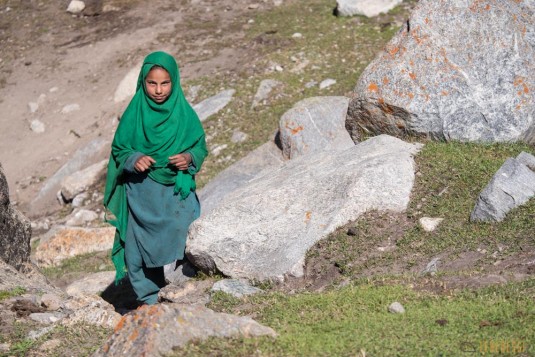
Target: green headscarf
159 131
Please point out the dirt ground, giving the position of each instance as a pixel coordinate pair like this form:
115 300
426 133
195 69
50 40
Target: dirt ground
53 58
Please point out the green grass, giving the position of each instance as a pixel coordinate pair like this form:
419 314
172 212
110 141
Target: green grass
79 265
346 321
6 294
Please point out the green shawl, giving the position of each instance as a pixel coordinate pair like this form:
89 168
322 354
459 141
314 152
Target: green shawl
157 130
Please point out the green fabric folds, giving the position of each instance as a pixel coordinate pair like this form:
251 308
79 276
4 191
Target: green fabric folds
157 130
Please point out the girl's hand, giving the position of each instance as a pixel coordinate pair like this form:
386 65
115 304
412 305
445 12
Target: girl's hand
180 161
143 163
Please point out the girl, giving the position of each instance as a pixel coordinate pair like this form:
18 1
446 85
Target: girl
158 148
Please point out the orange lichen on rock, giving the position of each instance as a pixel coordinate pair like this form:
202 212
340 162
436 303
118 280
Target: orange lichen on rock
412 75
385 81
120 324
393 50
294 130
410 95
444 92
308 215
373 87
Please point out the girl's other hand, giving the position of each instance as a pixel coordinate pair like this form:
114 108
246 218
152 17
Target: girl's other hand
143 163
180 161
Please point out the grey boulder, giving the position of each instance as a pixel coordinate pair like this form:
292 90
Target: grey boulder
455 71
512 186
263 229
313 125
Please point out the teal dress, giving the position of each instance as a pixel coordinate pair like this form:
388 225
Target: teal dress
158 222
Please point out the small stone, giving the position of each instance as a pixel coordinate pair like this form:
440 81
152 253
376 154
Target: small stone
50 345
5 347
297 35
238 137
110 8
32 107
76 7
60 199
42 99
235 287
53 89
327 83
277 2
396 308
431 267
352 231
253 6
51 302
37 126
310 84
430 224
78 200
217 149
69 108
279 69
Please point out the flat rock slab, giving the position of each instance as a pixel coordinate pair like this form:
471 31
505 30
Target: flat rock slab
92 284
212 105
62 242
314 125
190 292
455 71
266 157
80 181
235 287
368 8
90 309
511 186
263 229
155 330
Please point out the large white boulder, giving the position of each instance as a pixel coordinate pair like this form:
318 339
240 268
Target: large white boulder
263 229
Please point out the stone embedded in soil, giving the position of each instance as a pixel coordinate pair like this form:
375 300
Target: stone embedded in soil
90 309
76 7
327 83
155 330
429 224
69 108
396 308
189 292
263 91
213 105
80 217
510 187
235 287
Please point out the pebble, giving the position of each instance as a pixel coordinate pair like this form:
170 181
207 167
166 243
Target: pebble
430 224
32 107
76 7
69 108
311 84
37 126
238 137
79 200
297 35
396 308
53 89
327 83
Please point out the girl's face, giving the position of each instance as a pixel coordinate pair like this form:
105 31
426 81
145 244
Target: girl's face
158 85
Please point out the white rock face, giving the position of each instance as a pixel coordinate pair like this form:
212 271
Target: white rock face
127 87
263 229
313 125
80 181
76 7
369 8
212 105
